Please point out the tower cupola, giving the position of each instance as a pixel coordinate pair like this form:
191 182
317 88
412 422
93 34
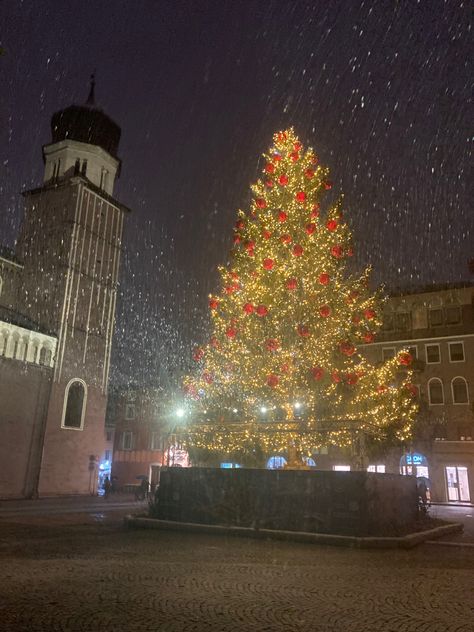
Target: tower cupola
84 142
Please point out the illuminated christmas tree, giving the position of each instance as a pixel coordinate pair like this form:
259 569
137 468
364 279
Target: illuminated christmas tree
283 366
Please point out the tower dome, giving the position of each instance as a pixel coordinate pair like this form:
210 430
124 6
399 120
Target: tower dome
86 124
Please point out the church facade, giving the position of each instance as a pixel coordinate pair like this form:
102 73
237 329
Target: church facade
58 292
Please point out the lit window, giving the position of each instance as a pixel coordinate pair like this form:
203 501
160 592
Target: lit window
155 441
453 315
435 391
74 405
107 455
459 389
456 352
433 355
276 463
129 411
229 466
376 468
341 468
436 317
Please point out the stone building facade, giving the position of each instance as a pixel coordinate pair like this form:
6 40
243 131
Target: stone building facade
57 309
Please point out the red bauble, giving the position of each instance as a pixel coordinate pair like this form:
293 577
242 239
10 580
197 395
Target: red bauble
381 388
269 168
215 343
336 251
272 380
269 183
347 348
297 146
300 196
213 303
369 314
234 275
230 289
297 250
294 156
405 358
237 239
315 211
327 185
286 239
282 136
250 245
303 331
324 278
266 234
292 284
198 354
331 225
351 378
268 264
282 216
314 160
231 332
310 228
207 377
260 202
261 310
324 311
309 173
276 157
317 372
412 389
239 224
248 308
350 252
272 344
336 378
283 180
285 368
369 337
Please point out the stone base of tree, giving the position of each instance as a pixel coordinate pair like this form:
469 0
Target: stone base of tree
358 504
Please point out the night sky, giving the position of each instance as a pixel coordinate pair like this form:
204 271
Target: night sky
380 89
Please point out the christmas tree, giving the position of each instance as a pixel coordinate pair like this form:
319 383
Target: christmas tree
283 366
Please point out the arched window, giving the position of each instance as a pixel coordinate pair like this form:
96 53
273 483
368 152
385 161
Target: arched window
435 391
75 398
276 463
459 391
45 356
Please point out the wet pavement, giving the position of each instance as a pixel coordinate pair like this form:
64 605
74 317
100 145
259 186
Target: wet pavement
82 570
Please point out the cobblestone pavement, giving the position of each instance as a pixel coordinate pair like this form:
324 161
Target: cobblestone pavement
84 573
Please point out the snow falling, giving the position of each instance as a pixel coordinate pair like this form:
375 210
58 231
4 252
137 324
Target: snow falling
380 89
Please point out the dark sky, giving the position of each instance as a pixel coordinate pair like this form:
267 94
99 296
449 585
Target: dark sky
381 90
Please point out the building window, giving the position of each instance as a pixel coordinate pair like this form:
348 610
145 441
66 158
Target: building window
387 323
456 352
45 356
376 468
108 435
77 167
129 411
453 315
127 440
413 351
403 321
341 468
276 463
74 409
433 354
84 167
435 391
107 455
155 441
387 353
435 317
459 391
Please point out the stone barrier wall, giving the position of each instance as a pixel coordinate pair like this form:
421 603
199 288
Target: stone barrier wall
345 503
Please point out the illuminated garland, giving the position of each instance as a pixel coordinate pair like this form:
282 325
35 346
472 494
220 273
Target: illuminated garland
287 324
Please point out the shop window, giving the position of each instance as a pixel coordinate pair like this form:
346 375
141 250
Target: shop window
376 468
459 391
456 352
276 463
75 398
341 468
435 317
230 466
453 315
435 391
433 354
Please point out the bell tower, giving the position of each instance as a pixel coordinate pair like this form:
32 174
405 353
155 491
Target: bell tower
70 244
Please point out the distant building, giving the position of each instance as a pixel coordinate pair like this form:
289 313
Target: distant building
57 307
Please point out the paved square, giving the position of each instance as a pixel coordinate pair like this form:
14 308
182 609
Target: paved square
83 573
